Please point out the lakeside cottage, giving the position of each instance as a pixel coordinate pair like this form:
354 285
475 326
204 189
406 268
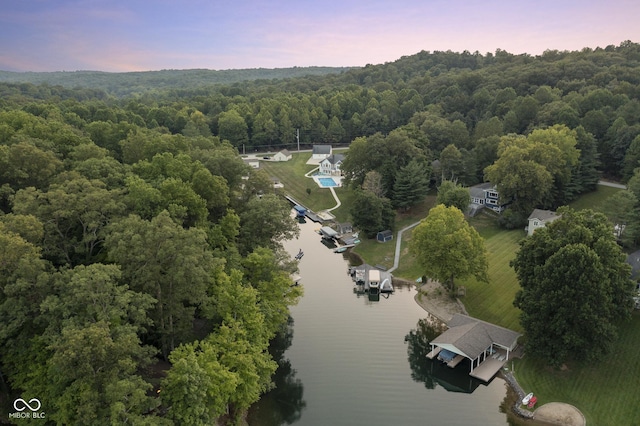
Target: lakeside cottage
484 195
330 166
539 219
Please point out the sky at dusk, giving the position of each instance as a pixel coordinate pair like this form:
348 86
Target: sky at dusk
141 35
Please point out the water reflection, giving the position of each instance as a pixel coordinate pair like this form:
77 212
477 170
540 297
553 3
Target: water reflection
352 357
284 403
434 372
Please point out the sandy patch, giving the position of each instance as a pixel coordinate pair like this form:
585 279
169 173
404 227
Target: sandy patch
559 413
435 299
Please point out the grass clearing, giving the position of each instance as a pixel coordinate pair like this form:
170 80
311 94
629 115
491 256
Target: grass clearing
291 174
606 392
493 301
595 200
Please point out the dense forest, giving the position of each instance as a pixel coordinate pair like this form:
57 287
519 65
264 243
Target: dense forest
134 83
135 239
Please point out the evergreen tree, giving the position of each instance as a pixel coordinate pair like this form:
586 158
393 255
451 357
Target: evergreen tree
411 184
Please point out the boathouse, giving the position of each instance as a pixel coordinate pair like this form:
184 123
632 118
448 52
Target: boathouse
300 211
486 345
328 232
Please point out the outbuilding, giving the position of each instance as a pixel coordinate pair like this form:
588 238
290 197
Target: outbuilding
283 155
384 236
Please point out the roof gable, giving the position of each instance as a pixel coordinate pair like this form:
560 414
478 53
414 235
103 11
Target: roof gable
471 336
322 149
333 159
544 215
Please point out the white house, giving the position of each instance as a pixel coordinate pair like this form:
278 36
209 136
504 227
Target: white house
320 152
331 165
539 219
283 155
252 162
485 195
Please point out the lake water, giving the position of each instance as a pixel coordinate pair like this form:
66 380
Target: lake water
352 361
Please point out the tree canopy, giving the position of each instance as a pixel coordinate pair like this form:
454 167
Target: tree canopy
447 247
128 219
575 288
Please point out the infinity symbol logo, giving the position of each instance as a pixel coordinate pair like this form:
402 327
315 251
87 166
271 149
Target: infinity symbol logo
26 405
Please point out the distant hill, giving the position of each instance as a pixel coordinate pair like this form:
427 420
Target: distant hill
128 83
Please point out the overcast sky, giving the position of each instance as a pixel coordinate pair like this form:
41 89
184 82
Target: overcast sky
140 35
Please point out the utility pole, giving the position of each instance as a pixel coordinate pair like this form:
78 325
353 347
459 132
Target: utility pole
298 138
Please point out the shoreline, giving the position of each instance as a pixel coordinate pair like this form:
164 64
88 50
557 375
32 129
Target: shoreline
435 300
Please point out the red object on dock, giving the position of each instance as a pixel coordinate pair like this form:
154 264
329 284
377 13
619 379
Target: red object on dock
532 402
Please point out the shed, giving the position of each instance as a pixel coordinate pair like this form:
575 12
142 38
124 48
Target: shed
344 228
384 236
283 155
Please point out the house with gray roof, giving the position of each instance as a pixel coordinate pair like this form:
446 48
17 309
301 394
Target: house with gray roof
539 219
484 195
487 346
331 165
320 152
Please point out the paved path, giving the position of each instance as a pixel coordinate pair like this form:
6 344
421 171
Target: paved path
335 197
612 184
396 259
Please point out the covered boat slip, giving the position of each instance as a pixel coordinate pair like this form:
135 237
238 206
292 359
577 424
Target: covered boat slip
371 278
328 232
487 346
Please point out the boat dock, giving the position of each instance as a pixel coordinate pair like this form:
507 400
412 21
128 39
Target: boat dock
371 278
490 366
313 216
434 352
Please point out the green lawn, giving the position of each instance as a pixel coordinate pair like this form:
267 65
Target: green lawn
493 301
291 174
595 200
606 393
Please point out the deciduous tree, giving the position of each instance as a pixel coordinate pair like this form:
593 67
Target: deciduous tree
452 194
172 264
371 213
447 247
575 287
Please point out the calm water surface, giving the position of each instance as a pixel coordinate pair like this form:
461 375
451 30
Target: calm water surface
352 361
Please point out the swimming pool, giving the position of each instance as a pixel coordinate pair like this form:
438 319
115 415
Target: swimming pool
326 182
